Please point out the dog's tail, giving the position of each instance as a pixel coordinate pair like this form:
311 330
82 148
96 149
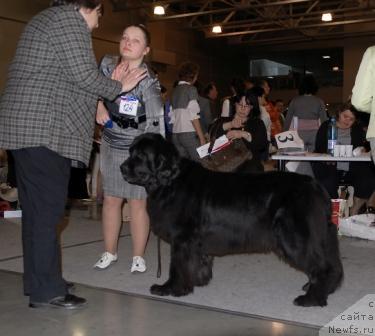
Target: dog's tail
335 272
324 197
335 269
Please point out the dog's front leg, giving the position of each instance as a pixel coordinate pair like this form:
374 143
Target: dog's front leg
181 272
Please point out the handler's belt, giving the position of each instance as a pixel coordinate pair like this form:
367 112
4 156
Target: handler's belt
125 122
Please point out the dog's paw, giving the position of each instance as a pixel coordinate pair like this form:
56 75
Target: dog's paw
181 291
308 301
161 290
166 289
202 282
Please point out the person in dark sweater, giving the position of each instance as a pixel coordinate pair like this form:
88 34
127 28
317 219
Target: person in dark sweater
246 124
361 175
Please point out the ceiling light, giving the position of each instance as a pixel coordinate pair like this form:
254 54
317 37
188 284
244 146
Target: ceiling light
326 57
326 17
335 68
216 29
159 10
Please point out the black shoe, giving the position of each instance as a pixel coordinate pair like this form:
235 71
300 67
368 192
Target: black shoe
70 286
68 301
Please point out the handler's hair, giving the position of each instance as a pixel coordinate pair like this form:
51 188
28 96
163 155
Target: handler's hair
80 3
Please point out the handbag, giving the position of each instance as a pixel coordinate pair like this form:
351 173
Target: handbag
228 158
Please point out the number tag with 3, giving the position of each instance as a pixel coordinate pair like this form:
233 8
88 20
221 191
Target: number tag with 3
129 106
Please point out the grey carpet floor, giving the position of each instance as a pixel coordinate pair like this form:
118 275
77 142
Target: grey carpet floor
250 284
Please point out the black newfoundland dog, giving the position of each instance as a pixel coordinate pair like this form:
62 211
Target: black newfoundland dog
203 214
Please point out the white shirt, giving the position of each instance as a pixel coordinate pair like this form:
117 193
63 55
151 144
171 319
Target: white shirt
265 116
225 108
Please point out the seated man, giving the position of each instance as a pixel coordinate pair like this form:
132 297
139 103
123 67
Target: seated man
361 175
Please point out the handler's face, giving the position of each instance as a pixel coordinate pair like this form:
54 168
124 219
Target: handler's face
91 16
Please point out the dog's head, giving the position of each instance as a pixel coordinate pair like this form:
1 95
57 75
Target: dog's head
153 162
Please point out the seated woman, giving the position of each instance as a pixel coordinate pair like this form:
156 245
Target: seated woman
246 124
361 175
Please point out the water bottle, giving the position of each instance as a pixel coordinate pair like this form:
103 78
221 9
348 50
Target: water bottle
295 124
332 135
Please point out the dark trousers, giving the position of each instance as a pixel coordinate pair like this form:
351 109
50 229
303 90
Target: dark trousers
42 180
77 184
361 176
11 177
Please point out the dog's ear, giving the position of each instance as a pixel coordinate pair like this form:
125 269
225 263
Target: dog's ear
169 171
161 160
166 165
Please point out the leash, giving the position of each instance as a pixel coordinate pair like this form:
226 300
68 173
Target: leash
158 272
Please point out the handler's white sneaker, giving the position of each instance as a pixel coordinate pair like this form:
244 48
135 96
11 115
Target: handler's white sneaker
105 260
138 265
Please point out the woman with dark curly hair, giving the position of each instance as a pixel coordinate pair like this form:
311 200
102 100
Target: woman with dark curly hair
361 175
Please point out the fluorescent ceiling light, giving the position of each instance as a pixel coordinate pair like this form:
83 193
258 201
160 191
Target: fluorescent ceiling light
159 10
216 29
335 68
326 17
326 57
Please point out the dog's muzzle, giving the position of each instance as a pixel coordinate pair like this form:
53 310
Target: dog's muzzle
125 168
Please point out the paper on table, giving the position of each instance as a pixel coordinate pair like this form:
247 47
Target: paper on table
289 141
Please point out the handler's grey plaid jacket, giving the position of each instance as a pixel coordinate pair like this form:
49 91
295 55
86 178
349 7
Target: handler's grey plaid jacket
53 85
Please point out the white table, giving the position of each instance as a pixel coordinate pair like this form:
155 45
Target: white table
282 158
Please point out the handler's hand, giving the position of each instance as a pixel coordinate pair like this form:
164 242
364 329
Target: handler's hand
237 123
102 115
128 78
234 134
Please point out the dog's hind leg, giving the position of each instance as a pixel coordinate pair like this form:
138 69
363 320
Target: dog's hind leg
329 278
203 273
181 271
317 272
323 266
306 286
316 294
299 251
335 271
313 262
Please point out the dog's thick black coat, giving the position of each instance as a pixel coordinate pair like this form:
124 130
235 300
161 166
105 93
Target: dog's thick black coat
203 214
